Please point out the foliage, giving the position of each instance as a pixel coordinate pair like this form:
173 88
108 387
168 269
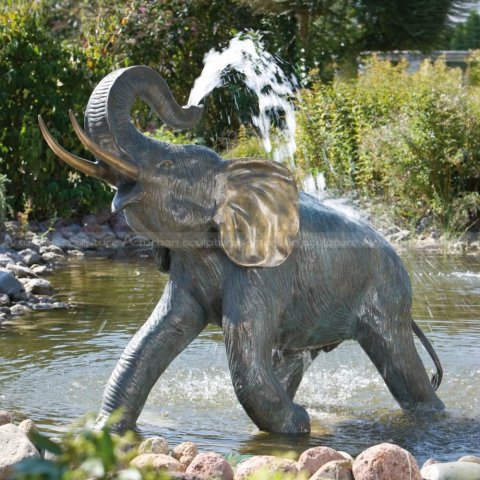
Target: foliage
4 207
40 77
82 454
246 145
464 35
412 140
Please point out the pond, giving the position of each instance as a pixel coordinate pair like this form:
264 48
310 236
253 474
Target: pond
54 366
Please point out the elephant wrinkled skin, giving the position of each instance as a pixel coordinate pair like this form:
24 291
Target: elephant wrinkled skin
282 274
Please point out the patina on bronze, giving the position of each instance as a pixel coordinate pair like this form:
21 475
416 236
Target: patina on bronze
282 274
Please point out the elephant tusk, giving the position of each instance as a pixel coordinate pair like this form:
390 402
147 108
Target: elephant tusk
85 166
123 167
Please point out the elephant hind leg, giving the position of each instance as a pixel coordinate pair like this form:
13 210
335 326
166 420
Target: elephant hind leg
394 355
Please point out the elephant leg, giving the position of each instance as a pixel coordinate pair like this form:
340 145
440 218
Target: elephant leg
175 322
249 321
290 366
394 355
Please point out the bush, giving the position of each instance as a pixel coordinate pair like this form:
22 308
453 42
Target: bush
39 76
412 140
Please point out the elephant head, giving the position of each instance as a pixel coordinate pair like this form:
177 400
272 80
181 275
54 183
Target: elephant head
168 191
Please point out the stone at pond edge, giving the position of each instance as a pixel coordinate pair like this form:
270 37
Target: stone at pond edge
313 458
469 458
157 462
30 257
14 447
4 300
430 461
210 465
265 462
386 462
19 309
452 471
5 417
154 445
9 285
28 427
185 453
39 286
334 470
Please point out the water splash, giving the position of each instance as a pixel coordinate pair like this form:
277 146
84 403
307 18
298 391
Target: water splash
264 77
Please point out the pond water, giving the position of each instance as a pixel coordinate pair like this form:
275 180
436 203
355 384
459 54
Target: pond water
54 366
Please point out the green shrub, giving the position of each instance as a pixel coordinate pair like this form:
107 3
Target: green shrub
412 140
39 76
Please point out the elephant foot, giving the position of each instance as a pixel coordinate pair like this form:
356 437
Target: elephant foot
115 423
296 421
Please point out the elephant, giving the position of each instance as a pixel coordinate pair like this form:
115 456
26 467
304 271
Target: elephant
282 274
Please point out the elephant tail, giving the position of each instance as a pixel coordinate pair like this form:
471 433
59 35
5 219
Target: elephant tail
437 377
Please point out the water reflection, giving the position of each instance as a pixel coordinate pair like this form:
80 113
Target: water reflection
54 366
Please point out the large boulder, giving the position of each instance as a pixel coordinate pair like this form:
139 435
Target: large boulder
210 465
334 470
157 462
39 286
185 453
267 463
386 462
30 257
9 285
5 417
154 445
452 471
14 447
314 458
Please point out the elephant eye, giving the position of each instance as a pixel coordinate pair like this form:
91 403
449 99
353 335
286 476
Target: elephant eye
165 164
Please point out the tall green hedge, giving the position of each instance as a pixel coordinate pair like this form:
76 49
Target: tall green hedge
412 140
39 76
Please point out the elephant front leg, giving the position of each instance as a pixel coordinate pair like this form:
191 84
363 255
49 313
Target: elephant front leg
248 337
290 366
175 322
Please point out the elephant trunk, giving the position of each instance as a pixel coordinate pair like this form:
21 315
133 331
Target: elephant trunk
107 117
110 134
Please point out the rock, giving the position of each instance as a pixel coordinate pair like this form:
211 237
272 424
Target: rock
81 240
5 417
345 455
313 458
210 465
430 461
386 462
103 216
3 318
265 462
157 462
51 248
68 231
334 470
14 447
30 257
5 260
9 285
452 471
185 453
469 458
41 269
20 271
5 310
154 445
19 309
4 300
28 427
75 253
39 286
50 257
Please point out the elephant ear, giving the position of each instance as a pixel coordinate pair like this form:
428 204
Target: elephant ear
258 215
